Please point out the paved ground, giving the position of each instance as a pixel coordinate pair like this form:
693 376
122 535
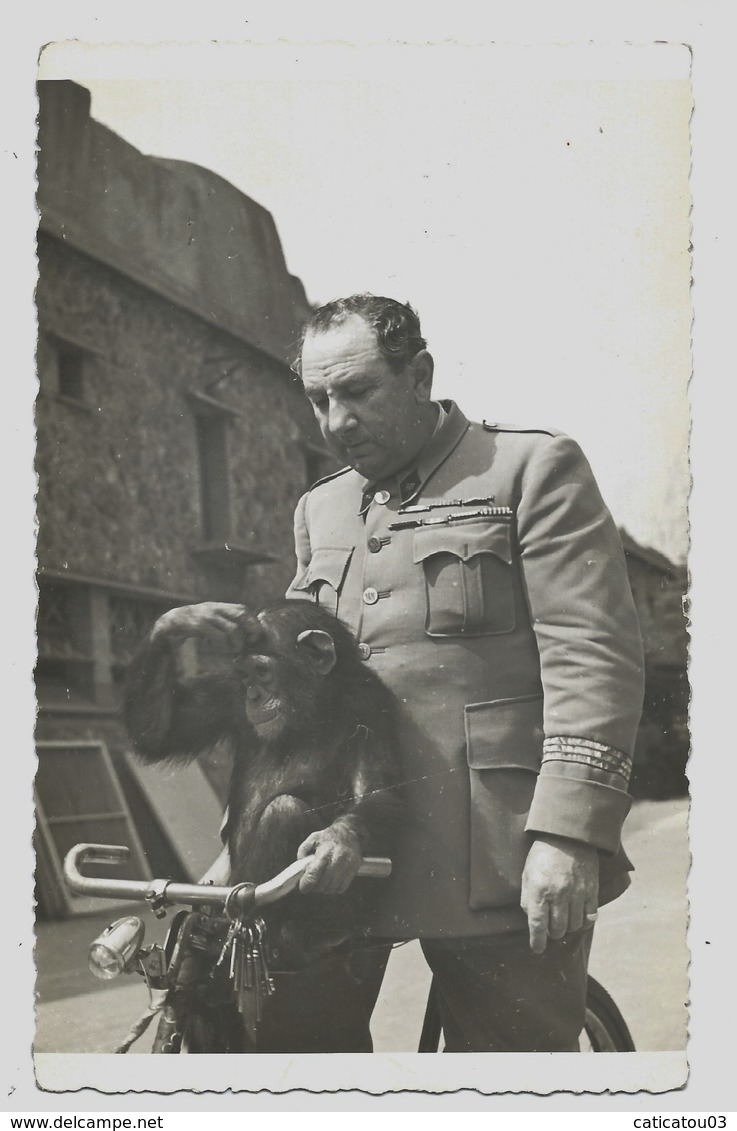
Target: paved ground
639 953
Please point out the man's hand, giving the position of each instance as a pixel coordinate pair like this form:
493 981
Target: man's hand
560 887
337 858
209 619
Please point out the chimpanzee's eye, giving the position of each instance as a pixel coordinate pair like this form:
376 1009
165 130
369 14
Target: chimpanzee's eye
264 673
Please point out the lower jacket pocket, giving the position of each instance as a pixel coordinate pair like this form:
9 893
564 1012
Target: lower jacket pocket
504 742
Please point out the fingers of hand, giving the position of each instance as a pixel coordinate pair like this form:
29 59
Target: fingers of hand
324 877
559 890
224 618
206 618
575 913
555 919
308 846
336 881
312 877
537 920
537 913
223 610
558 912
332 869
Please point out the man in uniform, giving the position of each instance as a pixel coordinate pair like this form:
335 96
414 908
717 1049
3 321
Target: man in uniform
485 580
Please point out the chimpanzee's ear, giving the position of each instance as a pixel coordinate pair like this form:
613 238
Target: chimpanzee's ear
318 649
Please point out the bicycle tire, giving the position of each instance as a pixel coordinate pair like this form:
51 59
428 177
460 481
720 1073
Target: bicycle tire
605 1029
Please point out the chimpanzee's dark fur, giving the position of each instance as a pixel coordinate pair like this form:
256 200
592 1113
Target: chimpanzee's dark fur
330 754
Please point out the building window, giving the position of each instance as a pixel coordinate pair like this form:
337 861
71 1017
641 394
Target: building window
211 421
67 369
212 449
87 636
65 664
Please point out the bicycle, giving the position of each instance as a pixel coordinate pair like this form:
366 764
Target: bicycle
211 978
222 931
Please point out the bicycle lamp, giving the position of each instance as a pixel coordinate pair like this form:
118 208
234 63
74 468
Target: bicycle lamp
114 951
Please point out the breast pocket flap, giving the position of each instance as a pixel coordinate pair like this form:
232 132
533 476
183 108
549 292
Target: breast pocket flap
328 564
464 541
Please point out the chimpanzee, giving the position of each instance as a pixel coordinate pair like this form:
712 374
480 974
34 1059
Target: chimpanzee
311 732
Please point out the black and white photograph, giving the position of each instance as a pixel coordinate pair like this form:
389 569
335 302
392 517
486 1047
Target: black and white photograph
362 544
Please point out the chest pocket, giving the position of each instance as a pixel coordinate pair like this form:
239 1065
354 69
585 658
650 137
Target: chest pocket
324 576
469 589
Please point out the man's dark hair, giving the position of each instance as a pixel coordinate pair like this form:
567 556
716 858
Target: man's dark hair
395 324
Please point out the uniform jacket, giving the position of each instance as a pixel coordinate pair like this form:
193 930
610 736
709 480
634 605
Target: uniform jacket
487 587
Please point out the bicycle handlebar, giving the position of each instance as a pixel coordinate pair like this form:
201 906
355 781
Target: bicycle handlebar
166 892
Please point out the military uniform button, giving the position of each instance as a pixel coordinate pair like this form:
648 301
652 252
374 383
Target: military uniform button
364 651
370 596
382 496
374 544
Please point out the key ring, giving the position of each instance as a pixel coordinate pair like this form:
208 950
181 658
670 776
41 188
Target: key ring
246 885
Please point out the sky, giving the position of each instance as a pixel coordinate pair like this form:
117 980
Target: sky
531 204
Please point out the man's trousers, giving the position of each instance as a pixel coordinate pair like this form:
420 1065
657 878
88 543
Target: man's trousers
495 996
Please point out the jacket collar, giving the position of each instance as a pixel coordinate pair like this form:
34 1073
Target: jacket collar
410 480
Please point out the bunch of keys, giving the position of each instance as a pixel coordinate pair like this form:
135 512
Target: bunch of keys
248 967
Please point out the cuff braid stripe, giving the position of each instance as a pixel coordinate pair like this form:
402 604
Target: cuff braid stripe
589 752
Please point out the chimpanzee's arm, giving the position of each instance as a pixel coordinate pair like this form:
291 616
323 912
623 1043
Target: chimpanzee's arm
168 717
377 808
369 825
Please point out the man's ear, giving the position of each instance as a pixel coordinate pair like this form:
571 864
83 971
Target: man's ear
422 367
317 649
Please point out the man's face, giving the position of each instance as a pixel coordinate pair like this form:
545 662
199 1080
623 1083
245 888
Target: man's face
372 418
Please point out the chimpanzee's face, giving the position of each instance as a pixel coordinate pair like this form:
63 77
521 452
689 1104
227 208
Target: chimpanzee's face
284 680
265 705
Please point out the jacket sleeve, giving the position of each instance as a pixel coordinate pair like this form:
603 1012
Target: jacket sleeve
589 643
302 548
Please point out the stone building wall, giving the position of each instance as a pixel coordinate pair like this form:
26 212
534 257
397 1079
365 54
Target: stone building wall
119 490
